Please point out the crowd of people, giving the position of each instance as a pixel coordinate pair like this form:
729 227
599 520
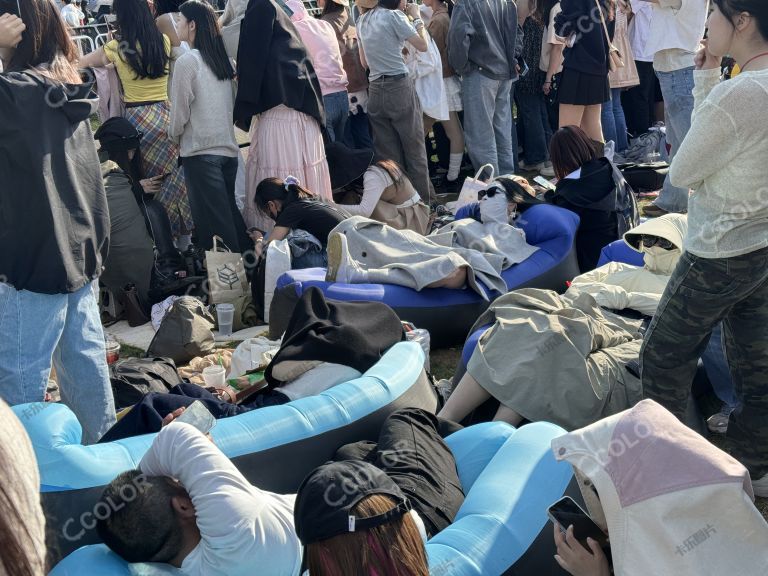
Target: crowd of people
356 119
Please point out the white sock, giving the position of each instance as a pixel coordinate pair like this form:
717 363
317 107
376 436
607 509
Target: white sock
454 165
183 242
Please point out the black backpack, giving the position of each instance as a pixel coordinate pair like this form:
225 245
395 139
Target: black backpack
132 378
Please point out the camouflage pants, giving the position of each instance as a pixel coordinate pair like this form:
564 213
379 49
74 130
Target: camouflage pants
701 293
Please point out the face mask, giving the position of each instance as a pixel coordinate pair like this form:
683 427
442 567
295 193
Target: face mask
494 209
661 261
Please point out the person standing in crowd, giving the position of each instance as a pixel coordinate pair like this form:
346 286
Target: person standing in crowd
358 131
551 61
677 27
323 47
639 101
612 114
531 106
280 99
56 233
438 28
481 49
723 273
71 14
393 107
142 57
201 121
584 82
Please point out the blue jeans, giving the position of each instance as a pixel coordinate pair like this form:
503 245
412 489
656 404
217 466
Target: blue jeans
532 112
336 113
488 122
66 329
677 89
614 124
716 366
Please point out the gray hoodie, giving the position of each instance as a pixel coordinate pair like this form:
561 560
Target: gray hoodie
482 37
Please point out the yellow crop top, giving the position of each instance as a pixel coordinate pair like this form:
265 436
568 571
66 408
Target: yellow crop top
138 89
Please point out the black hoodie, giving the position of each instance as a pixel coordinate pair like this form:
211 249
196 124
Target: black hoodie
54 222
593 197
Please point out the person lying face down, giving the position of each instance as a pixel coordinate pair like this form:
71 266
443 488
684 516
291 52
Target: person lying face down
187 505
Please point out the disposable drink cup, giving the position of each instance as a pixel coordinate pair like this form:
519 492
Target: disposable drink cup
225 315
214 376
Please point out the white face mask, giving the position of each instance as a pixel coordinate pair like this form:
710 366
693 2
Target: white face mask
661 261
494 209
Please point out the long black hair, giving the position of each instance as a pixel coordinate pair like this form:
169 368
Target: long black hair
141 44
544 9
331 7
271 189
758 9
45 44
208 38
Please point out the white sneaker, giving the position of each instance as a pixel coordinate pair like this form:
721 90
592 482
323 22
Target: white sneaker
547 170
341 267
543 168
760 487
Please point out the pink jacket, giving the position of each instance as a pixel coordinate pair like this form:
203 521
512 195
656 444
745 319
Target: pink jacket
322 46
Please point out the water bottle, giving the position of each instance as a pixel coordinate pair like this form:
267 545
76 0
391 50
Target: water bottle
420 335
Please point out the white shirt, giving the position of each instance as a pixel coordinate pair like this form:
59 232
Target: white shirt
72 15
244 530
677 28
640 29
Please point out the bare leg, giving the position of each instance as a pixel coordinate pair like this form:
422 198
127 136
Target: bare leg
455 134
571 115
428 123
467 396
591 123
456 279
506 414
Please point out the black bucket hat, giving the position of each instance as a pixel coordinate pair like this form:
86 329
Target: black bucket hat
327 496
346 164
118 134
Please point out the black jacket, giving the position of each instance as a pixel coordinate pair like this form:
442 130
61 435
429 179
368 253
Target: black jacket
589 53
273 66
54 222
593 197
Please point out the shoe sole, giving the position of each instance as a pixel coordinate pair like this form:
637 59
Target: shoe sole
334 257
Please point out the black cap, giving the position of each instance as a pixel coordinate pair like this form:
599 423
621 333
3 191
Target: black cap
346 165
118 134
327 496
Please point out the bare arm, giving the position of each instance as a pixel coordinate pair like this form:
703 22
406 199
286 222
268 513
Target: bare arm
165 25
418 41
361 52
97 59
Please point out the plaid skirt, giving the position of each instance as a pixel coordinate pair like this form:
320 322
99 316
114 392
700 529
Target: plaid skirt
161 156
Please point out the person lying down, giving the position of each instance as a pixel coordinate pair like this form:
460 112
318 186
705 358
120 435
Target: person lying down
563 358
466 251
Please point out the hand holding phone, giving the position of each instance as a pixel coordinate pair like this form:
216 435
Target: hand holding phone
566 513
197 415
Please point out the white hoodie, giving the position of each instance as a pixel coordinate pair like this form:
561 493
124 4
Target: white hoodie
618 286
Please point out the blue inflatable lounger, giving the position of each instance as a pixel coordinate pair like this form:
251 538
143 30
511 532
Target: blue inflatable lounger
274 447
447 313
510 478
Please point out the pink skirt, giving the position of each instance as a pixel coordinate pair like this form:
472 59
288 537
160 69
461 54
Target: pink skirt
284 143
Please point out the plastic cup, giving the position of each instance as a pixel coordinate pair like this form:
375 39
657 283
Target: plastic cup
225 315
113 350
214 376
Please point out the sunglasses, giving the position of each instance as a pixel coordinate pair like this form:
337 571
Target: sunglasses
491 192
651 241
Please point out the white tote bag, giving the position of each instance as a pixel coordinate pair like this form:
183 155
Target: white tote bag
226 274
471 187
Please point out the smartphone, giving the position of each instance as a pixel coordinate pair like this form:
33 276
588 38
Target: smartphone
565 512
544 183
199 416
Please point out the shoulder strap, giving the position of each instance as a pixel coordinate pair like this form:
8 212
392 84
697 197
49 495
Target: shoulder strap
602 19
